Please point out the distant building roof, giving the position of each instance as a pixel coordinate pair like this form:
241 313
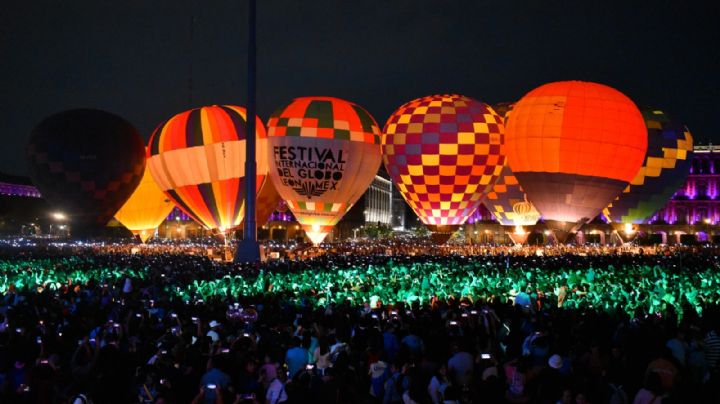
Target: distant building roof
14 185
711 148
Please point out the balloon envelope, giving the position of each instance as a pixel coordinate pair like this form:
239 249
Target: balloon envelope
443 153
146 208
324 153
574 146
86 163
267 201
664 170
507 201
197 158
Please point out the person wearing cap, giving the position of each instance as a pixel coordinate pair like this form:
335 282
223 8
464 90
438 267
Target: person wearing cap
379 373
213 333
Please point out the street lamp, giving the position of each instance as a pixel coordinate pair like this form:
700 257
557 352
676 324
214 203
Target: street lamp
59 216
708 222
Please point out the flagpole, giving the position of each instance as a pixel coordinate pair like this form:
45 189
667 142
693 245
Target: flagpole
248 249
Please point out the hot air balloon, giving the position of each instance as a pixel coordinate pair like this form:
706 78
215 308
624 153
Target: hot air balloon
443 153
267 202
86 163
507 201
197 158
665 167
324 154
574 146
146 209
510 206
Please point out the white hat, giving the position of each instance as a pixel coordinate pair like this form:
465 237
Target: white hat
214 324
377 369
213 335
555 361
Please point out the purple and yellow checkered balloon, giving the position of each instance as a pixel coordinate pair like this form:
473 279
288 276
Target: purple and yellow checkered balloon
443 153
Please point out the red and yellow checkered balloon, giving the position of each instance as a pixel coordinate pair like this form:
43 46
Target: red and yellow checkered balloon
443 153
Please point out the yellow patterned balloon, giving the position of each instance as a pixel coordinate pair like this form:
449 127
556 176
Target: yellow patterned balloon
507 201
666 165
443 152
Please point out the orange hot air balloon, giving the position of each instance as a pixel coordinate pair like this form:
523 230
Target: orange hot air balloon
197 158
267 200
443 152
324 153
574 146
146 209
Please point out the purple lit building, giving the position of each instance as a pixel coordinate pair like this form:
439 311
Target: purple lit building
697 202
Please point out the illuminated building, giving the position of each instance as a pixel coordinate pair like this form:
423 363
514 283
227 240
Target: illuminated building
378 202
697 200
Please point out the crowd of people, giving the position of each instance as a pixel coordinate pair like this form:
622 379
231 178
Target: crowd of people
581 325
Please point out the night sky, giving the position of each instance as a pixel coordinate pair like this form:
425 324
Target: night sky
136 57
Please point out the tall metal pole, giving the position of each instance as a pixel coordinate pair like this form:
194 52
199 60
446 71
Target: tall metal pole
248 249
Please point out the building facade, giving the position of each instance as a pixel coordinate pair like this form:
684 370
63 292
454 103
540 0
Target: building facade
378 202
698 201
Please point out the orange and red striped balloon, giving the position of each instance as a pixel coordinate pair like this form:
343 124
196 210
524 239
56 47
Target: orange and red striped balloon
198 158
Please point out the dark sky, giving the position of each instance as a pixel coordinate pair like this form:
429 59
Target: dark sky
135 57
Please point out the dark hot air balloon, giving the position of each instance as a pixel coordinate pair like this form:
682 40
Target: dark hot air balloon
86 163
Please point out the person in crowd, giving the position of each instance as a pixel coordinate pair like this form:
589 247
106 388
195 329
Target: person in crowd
652 391
296 357
214 381
438 384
